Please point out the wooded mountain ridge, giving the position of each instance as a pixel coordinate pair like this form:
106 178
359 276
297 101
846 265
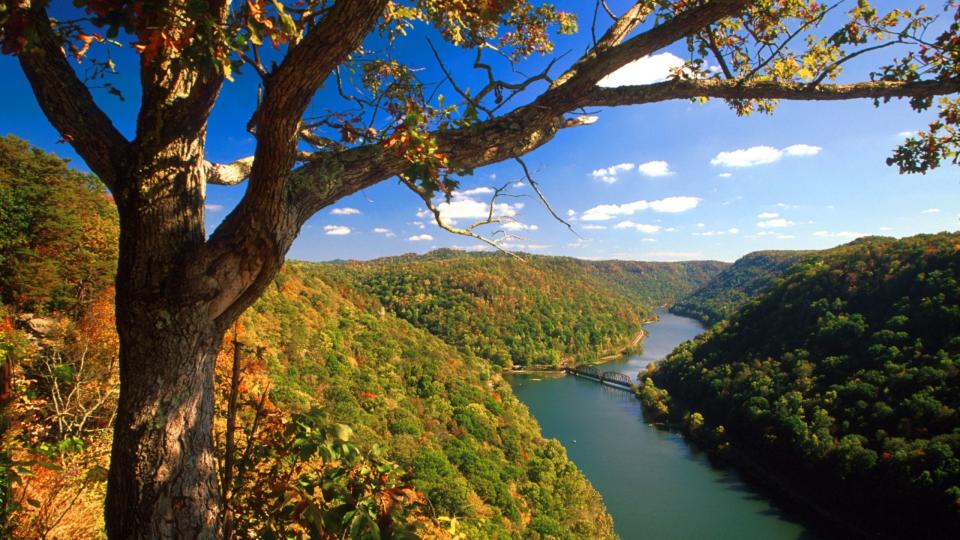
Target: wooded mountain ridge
841 381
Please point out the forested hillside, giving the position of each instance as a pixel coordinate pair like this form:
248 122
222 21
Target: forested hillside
538 311
468 445
844 380
728 290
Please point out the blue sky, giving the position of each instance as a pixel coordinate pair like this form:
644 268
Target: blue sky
669 181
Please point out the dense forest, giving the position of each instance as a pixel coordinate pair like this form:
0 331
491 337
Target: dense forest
534 311
736 285
841 382
346 420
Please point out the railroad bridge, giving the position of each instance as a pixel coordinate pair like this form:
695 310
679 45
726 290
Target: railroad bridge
614 379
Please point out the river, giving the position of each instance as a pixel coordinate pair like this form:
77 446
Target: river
653 483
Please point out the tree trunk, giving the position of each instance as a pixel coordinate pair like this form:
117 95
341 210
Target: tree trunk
163 478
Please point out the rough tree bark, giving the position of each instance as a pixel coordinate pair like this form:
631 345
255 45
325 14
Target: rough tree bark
178 291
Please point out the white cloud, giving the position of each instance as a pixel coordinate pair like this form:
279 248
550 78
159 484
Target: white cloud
336 230
640 227
767 215
571 212
775 223
701 225
420 238
907 134
931 211
345 211
885 229
802 150
512 225
843 234
725 175
646 70
611 173
384 231
655 169
762 155
674 204
593 227
213 207
519 185
606 212
462 206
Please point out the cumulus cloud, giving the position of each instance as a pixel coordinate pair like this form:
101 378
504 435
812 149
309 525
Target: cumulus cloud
610 174
420 238
725 175
336 230
606 212
655 169
345 211
802 150
594 227
762 155
849 235
512 225
931 211
647 70
640 227
767 215
907 134
674 205
463 206
775 223
213 207
384 231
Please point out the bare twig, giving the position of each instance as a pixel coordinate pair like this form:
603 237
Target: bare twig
543 199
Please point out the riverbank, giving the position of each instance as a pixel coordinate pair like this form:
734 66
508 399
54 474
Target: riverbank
649 478
832 510
635 346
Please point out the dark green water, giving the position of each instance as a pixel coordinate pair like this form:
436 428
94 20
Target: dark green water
653 483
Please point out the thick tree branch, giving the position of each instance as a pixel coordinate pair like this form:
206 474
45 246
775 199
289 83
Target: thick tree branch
244 253
328 178
68 105
607 58
229 174
177 98
291 86
687 89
